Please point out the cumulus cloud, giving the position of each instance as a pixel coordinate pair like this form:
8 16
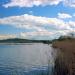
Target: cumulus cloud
38 24
64 32
35 33
31 3
34 22
70 3
64 15
7 36
72 24
45 35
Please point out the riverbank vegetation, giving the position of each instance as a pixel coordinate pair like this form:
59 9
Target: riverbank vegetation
65 61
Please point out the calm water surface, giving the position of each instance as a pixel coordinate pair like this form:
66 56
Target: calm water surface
27 59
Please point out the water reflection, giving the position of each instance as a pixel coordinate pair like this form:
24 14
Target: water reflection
28 59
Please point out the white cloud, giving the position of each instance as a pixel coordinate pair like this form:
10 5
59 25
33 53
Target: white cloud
34 22
38 24
64 15
45 35
36 34
72 24
31 3
70 3
7 36
63 32
40 33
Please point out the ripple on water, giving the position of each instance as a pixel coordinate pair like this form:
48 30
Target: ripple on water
25 59
24 71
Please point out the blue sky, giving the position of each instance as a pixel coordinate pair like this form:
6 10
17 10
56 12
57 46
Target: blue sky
36 19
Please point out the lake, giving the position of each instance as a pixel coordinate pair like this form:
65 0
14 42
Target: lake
26 59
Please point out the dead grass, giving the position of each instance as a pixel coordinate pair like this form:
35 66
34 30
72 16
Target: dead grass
67 53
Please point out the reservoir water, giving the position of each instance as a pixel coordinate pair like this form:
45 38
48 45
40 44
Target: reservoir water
26 59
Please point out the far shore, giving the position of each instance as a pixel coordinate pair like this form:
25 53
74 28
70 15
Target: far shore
15 43
29 43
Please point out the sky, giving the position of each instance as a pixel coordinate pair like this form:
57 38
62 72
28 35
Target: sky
36 19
